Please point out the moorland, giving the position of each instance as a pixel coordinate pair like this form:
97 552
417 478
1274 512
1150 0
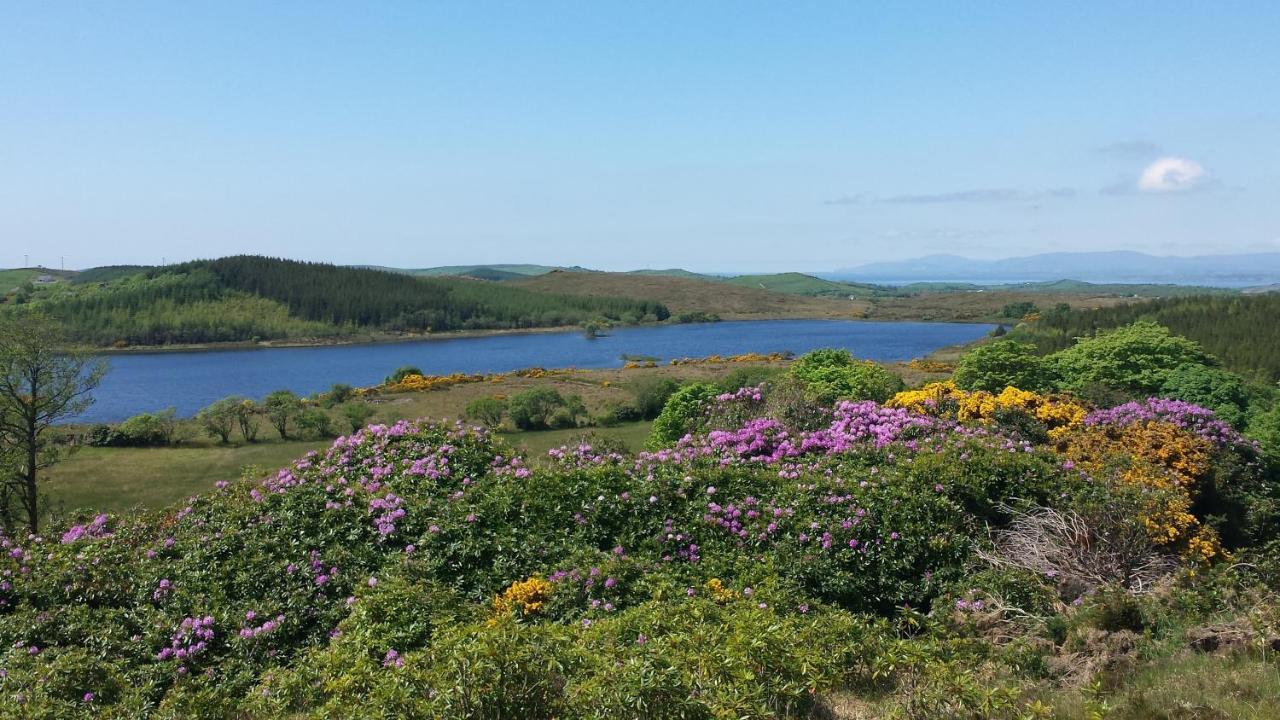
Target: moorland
1076 517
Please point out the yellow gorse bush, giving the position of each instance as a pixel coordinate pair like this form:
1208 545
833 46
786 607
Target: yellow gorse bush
1158 456
944 399
930 366
524 597
414 382
743 358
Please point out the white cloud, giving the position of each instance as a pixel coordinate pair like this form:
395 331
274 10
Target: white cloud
1171 174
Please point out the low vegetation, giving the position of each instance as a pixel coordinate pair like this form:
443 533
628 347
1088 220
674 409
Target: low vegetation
802 542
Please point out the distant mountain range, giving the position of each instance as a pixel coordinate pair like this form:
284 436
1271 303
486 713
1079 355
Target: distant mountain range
1098 267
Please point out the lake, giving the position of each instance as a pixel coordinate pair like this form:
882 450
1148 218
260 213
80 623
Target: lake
188 381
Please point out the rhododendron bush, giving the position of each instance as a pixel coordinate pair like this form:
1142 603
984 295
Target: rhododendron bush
426 570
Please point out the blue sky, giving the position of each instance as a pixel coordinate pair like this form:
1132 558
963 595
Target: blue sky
735 136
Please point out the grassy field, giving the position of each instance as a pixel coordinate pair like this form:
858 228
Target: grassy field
120 479
684 295
117 479
982 305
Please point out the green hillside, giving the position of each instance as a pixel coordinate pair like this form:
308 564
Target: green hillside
795 283
247 298
11 279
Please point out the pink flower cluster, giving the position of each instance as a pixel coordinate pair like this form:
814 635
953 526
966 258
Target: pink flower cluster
93 531
1193 418
189 641
251 631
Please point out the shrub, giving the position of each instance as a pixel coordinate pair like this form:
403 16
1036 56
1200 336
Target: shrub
338 394
143 430
219 418
994 366
681 414
617 413
487 411
401 373
315 423
282 408
752 376
1265 428
535 409
650 395
832 375
356 414
572 414
246 413
1222 392
1137 358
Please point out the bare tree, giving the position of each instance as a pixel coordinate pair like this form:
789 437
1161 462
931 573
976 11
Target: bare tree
43 381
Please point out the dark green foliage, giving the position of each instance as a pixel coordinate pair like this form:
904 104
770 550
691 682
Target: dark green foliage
682 413
1240 330
401 373
536 409
831 375
1222 392
218 420
750 376
143 430
1136 358
1018 309
282 408
487 410
996 365
650 395
107 273
314 423
1265 428
356 414
249 297
338 394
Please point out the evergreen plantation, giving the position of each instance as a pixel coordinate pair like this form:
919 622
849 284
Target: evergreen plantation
1243 331
249 298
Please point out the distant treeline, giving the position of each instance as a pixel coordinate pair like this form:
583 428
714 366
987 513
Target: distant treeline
1243 331
248 297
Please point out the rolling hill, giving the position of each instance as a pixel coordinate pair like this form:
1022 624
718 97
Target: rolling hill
684 295
243 298
795 283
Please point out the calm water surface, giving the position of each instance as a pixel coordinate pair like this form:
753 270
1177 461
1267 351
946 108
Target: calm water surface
189 381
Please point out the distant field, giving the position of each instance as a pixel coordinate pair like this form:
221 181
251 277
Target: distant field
10 279
801 284
685 295
982 305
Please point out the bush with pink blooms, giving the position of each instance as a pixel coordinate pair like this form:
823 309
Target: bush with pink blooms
426 570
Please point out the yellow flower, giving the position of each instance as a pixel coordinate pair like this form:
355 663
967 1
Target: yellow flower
527 597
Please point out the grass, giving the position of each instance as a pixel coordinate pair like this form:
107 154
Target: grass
537 443
1186 687
118 479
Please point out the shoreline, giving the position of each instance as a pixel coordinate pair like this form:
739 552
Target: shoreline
390 339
